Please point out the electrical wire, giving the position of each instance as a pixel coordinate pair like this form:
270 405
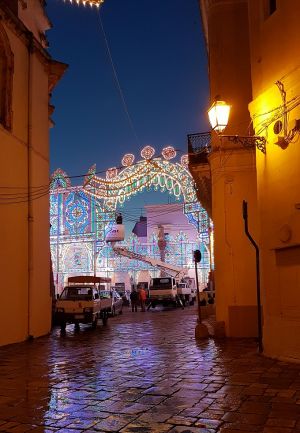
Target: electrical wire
117 81
36 189
29 199
47 186
10 197
25 194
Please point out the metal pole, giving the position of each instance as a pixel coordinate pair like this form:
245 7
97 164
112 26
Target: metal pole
95 251
95 259
259 319
198 294
209 246
57 242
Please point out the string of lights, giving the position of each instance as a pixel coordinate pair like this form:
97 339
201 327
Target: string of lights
117 81
96 3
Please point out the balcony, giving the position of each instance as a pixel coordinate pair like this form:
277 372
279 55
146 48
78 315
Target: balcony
199 147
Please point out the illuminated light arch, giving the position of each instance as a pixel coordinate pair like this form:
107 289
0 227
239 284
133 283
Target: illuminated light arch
80 216
158 173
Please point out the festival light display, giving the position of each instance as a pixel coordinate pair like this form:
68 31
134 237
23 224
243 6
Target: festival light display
91 3
147 152
128 159
111 173
169 152
158 173
184 161
80 216
60 179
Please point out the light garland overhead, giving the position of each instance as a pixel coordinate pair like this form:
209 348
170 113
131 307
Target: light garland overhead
111 173
159 173
91 3
121 183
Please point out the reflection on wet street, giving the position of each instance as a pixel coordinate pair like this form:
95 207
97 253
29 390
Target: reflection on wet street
144 372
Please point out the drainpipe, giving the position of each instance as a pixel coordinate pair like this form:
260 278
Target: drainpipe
259 321
29 180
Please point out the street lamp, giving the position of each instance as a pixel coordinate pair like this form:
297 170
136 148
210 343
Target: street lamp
218 116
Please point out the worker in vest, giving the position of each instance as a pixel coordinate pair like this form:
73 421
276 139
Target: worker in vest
143 297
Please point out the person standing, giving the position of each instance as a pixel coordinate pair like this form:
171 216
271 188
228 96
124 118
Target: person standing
134 297
143 297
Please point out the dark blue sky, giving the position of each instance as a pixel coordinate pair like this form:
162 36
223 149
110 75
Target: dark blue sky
159 54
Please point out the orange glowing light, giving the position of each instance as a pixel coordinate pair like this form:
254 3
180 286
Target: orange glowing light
218 115
91 3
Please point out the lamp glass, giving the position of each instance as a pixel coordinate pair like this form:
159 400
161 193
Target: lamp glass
218 115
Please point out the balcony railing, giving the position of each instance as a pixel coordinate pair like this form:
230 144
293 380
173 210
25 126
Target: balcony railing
199 146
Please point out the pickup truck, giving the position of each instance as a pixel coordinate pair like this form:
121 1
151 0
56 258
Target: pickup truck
81 302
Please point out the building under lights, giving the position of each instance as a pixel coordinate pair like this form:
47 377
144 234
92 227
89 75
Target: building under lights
253 51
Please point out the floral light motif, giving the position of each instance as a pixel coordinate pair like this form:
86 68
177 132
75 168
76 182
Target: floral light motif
60 179
128 159
76 212
169 152
111 173
96 3
147 152
184 161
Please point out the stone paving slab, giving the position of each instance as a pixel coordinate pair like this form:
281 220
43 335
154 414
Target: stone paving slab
145 373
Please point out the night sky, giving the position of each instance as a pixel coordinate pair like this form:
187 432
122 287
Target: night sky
159 54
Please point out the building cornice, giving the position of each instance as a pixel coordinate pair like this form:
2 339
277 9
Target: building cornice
19 29
204 18
206 6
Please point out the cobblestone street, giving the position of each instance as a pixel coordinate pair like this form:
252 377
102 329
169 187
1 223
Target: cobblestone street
144 372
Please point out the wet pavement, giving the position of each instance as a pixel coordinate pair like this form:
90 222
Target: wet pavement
145 372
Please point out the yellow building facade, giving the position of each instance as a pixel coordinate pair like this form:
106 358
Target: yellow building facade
275 110
253 52
28 74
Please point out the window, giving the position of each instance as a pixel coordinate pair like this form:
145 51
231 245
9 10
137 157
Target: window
77 293
270 7
6 75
